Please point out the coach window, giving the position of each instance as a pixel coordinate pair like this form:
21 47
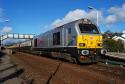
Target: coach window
56 38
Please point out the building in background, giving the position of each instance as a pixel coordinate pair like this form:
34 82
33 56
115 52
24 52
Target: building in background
120 37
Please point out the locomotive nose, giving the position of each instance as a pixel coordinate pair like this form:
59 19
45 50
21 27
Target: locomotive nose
89 41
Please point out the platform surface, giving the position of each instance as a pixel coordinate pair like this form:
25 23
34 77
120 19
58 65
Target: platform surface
116 55
8 70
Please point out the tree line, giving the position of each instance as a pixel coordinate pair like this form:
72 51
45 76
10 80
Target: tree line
112 45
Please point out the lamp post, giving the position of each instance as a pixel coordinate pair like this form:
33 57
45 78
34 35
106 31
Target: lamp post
97 17
0 37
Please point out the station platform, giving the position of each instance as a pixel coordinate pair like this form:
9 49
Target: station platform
8 70
116 55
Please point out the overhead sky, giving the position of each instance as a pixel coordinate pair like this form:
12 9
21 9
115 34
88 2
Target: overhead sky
38 16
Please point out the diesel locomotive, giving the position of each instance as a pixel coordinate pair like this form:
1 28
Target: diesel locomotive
80 40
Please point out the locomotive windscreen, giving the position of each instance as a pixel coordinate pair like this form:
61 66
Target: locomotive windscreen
88 28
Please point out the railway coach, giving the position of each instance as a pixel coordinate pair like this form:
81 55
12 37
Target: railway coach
80 40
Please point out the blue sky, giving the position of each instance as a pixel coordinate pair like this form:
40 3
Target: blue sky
38 16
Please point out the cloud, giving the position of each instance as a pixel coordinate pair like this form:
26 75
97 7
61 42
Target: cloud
92 15
77 14
7 29
71 16
117 14
111 19
46 26
2 15
57 23
112 16
74 15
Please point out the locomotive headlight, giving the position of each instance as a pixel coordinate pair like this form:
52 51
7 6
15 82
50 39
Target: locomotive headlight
99 44
84 52
103 51
81 44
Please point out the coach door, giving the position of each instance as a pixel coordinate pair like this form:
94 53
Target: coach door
56 38
35 42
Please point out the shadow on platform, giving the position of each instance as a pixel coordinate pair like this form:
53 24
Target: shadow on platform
16 74
2 54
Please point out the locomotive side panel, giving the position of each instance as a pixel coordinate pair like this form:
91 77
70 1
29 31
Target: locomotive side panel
63 36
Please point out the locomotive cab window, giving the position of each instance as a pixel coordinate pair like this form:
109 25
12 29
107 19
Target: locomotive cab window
56 38
88 28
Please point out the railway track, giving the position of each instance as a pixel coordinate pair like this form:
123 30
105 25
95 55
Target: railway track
50 71
115 71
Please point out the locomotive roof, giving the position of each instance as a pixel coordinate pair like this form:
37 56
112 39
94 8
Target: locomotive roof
62 26
74 21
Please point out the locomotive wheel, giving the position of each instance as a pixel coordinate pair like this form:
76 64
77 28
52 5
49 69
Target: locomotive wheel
83 59
54 55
